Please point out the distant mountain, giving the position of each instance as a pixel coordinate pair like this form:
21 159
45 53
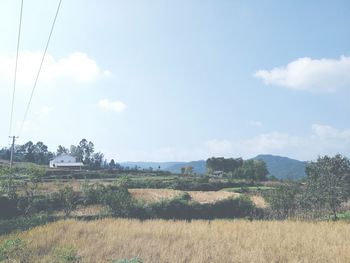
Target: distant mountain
147 165
199 167
278 166
283 167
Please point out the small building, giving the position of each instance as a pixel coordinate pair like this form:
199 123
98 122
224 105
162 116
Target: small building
218 173
65 161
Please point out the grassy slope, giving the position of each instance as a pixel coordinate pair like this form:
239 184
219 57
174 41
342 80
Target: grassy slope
197 241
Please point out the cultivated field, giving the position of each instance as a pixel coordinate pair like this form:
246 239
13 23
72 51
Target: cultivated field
154 195
196 241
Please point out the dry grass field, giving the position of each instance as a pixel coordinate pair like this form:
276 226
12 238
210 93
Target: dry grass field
196 241
153 195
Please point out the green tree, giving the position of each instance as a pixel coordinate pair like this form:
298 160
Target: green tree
328 182
187 170
41 153
27 151
8 182
223 164
96 160
183 170
87 148
119 201
61 149
68 199
283 200
111 164
254 170
30 187
76 152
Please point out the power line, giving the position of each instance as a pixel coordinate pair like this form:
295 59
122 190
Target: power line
15 79
41 64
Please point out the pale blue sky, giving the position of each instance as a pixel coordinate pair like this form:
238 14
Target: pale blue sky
182 80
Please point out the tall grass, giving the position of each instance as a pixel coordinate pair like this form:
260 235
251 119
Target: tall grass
197 241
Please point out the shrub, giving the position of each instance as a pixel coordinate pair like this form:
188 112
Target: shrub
232 207
8 208
24 223
14 250
181 208
119 201
68 198
283 200
92 194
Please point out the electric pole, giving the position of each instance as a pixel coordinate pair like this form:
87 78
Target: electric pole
12 149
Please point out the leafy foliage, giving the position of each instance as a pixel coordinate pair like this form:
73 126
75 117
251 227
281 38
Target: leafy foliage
283 200
328 183
68 198
223 164
119 201
14 250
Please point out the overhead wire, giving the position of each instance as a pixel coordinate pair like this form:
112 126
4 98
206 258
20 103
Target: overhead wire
41 64
15 75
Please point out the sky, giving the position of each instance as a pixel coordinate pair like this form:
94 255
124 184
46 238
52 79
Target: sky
183 80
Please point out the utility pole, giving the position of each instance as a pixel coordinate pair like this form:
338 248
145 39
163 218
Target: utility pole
12 149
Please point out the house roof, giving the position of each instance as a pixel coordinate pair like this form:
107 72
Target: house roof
62 155
69 164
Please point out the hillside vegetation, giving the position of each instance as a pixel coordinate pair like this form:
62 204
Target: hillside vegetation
278 166
283 167
180 241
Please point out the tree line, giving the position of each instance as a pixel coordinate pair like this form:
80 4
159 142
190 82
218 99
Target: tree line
254 170
321 194
38 153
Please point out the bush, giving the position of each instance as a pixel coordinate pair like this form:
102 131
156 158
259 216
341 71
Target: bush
8 208
181 208
232 207
92 194
283 200
14 250
24 223
119 201
68 198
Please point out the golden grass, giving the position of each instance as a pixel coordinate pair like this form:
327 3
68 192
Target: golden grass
194 242
259 201
153 195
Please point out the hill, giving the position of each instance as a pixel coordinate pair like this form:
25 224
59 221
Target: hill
283 167
199 167
147 165
173 167
278 166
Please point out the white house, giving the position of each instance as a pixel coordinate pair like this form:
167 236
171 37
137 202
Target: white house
218 173
65 161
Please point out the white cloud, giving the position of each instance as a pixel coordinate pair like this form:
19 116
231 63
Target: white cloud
116 106
327 132
323 139
77 66
320 75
